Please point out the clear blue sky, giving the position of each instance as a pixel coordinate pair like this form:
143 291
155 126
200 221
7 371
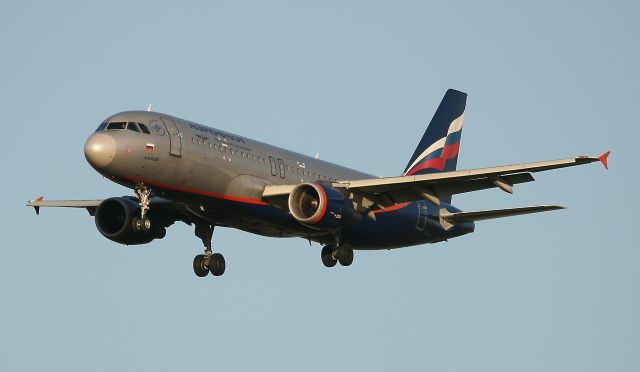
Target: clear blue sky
356 82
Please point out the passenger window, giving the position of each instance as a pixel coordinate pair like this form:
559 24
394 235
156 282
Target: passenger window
144 128
116 125
133 127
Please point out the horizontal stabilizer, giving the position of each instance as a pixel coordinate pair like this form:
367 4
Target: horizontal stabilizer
496 213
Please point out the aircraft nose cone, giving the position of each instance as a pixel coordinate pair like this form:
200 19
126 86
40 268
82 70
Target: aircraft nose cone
100 150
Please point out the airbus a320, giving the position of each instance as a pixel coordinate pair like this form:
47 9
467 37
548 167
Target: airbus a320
183 171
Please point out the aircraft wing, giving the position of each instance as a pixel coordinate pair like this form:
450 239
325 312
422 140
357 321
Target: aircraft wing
90 205
386 192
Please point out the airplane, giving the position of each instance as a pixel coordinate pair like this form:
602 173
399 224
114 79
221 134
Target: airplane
180 170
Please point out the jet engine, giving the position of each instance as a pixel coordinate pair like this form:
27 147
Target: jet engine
114 220
321 207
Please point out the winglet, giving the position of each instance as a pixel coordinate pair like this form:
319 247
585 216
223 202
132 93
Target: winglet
36 207
603 159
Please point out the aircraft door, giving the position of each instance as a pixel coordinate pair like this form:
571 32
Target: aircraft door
175 136
274 167
281 167
422 215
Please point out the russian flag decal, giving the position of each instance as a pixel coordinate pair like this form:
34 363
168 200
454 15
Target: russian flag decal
150 146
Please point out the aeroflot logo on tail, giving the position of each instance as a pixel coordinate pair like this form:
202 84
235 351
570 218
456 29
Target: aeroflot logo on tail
436 156
218 133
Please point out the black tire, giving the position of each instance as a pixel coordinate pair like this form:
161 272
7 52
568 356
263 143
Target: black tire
198 266
345 256
217 264
327 256
136 224
145 224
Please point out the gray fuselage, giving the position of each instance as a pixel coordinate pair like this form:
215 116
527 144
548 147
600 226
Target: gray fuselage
221 176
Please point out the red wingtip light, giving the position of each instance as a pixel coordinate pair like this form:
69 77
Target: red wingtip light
603 159
40 198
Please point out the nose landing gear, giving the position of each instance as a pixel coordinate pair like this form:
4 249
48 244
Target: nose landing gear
208 262
142 223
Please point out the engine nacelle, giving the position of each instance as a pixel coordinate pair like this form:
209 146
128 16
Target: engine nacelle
321 207
114 220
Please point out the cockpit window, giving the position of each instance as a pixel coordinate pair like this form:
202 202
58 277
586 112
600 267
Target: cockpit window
115 125
133 126
102 126
120 125
144 128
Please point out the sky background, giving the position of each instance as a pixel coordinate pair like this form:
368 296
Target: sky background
357 82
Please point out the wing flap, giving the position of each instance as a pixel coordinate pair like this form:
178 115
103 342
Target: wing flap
495 213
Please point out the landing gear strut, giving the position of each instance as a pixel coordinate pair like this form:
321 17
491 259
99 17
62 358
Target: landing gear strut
143 223
209 261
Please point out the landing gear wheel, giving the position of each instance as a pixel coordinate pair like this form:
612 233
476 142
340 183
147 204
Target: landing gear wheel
217 264
142 225
146 224
198 266
328 257
345 256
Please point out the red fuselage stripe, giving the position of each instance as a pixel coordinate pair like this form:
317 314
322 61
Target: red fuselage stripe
199 192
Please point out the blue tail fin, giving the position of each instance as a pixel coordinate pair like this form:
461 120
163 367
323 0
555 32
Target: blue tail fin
438 148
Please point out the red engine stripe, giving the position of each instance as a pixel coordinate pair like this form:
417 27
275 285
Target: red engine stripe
324 205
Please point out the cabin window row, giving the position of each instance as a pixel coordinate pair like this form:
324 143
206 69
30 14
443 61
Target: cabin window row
228 150
289 168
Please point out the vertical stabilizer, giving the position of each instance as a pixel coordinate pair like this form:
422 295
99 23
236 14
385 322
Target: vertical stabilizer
438 148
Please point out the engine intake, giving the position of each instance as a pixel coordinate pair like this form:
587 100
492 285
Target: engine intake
321 207
114 220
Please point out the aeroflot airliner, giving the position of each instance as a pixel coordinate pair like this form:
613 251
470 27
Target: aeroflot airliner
183 171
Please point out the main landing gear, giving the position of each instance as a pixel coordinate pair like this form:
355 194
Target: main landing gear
142 223
209 261
203 264
331 254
